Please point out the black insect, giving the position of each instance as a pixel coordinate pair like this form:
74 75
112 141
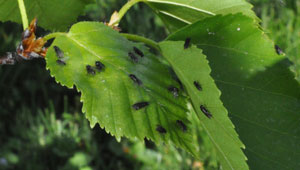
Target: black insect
197 85
205 111
278 50
59 52
181 125
160 129
135 79
187 43
133 57
138 52
174 91
90 70
140 105
99 66
60 62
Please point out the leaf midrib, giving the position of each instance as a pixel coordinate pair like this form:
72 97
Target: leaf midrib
194 8
256 89
119 68
176 134
265 127
182 5
131 113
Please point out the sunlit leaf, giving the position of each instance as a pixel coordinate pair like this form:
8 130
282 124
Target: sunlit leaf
193 70
110 96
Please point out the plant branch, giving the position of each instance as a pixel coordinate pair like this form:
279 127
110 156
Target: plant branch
23 14
146 41
125 8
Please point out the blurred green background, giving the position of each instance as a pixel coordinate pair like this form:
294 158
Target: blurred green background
41 123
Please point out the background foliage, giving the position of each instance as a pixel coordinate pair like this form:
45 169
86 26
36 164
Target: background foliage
39 116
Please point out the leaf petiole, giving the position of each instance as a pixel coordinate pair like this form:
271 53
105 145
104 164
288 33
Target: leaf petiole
124 9
131 37
144 40
23 14
53 35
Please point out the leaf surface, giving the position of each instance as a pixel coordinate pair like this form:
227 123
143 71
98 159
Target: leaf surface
55 15
258 89
192 68
178 13
110 96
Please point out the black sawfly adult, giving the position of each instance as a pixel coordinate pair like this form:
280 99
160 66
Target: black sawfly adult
99 66
205 111
181 125
135 79
60 62
160 129
187 43
138 51
59 52
197 85
133 57
90 70
278 50
140 105
174 91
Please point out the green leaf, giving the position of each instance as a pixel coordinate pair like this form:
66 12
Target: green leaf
178 13
295 68
191 66
52 14
257 87
108 96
